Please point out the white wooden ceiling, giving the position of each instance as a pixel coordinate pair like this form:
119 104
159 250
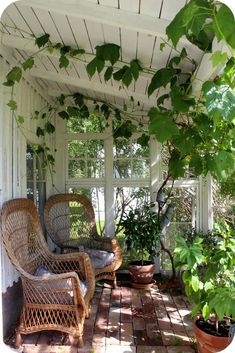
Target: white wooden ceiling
138 26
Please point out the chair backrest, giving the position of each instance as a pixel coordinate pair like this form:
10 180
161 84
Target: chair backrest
22 235
69 217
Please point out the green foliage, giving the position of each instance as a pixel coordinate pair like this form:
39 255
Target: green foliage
141 230
207 262
42 40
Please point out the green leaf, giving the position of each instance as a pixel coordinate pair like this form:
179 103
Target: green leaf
196 163
143 140
135 69
108 73
99 64
12 104
161 78
161 99
127 77
111 52
78 99
15 74
28 64
119 74
224 25
40 132
218 58
20 119
73 111
180 102
162 125
176 165
77 51
42 41
91 67
49 128
206 311
220 101
195 283
64 115
124 130
61 99
65 49
9 83
64 62
162 46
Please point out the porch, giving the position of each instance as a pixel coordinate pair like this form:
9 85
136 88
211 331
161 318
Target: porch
126 320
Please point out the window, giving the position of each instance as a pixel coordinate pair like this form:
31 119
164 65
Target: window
36 183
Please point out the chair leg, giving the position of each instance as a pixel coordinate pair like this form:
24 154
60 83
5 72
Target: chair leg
18 339
76 341
115 281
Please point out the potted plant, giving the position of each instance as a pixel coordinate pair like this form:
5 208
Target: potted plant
141 232
208 264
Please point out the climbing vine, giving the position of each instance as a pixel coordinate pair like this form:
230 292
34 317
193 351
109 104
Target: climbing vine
198 130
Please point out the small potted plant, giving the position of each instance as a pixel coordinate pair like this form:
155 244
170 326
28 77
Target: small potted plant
141 232
207 263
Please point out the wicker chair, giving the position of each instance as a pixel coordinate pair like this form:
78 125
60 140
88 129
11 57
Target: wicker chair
70 222
55 301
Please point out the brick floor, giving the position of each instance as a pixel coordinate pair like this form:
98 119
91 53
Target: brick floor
127 320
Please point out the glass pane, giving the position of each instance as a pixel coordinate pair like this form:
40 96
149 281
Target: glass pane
76 149
131 160
94 123
77 169
96 195
95 169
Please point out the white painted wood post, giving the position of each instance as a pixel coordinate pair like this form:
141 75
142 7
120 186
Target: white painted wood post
206 204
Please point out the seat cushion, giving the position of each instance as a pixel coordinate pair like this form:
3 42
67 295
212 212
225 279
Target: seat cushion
44 272
100 258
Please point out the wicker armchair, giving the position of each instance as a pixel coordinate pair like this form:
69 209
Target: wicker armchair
57 300
70 222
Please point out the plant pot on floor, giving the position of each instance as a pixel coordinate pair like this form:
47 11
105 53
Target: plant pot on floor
142 274
207 343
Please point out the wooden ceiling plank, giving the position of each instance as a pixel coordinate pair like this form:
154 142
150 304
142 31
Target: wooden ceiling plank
90 85
64 29
29 16
160 58
128 44
171 8
47 24
111 3
11 18
145 48
151 8
104 14
80 32
130 5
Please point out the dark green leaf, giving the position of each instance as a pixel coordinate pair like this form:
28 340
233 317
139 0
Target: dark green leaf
73 111
161 78
42 41
127 77
65 49
162 125
28 64
176 165
51 159
218 57
91 67
49 128
111 52
162 46
196 163
135 69
20 119
64 115
180 102
108 73
64 61
12 104
99 64
40 132
78 99
161 99
9 83
143 140
61 99
224 25
14 75
75 52
124 130
118 74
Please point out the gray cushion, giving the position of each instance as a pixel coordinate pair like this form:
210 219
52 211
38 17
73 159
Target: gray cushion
44 272
100 258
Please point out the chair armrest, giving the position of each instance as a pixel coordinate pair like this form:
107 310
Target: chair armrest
55 289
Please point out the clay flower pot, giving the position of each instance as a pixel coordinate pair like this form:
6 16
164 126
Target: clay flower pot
207 343
141 275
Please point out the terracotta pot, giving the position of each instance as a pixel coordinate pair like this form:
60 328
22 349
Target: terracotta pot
207 343
142 274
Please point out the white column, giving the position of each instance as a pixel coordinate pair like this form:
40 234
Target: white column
206 204
109 194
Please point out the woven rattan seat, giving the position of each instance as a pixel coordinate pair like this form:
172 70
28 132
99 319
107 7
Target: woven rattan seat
54 302
70 222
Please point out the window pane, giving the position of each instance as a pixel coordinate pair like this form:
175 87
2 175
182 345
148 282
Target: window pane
131 160
93 123
86 159
96 196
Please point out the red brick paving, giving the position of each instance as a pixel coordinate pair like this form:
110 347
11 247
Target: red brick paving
131 321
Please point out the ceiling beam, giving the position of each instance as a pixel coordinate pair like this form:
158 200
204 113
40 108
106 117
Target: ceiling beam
93 86
103 14
28 45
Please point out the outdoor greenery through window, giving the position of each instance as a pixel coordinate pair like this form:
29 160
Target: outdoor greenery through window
36 183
